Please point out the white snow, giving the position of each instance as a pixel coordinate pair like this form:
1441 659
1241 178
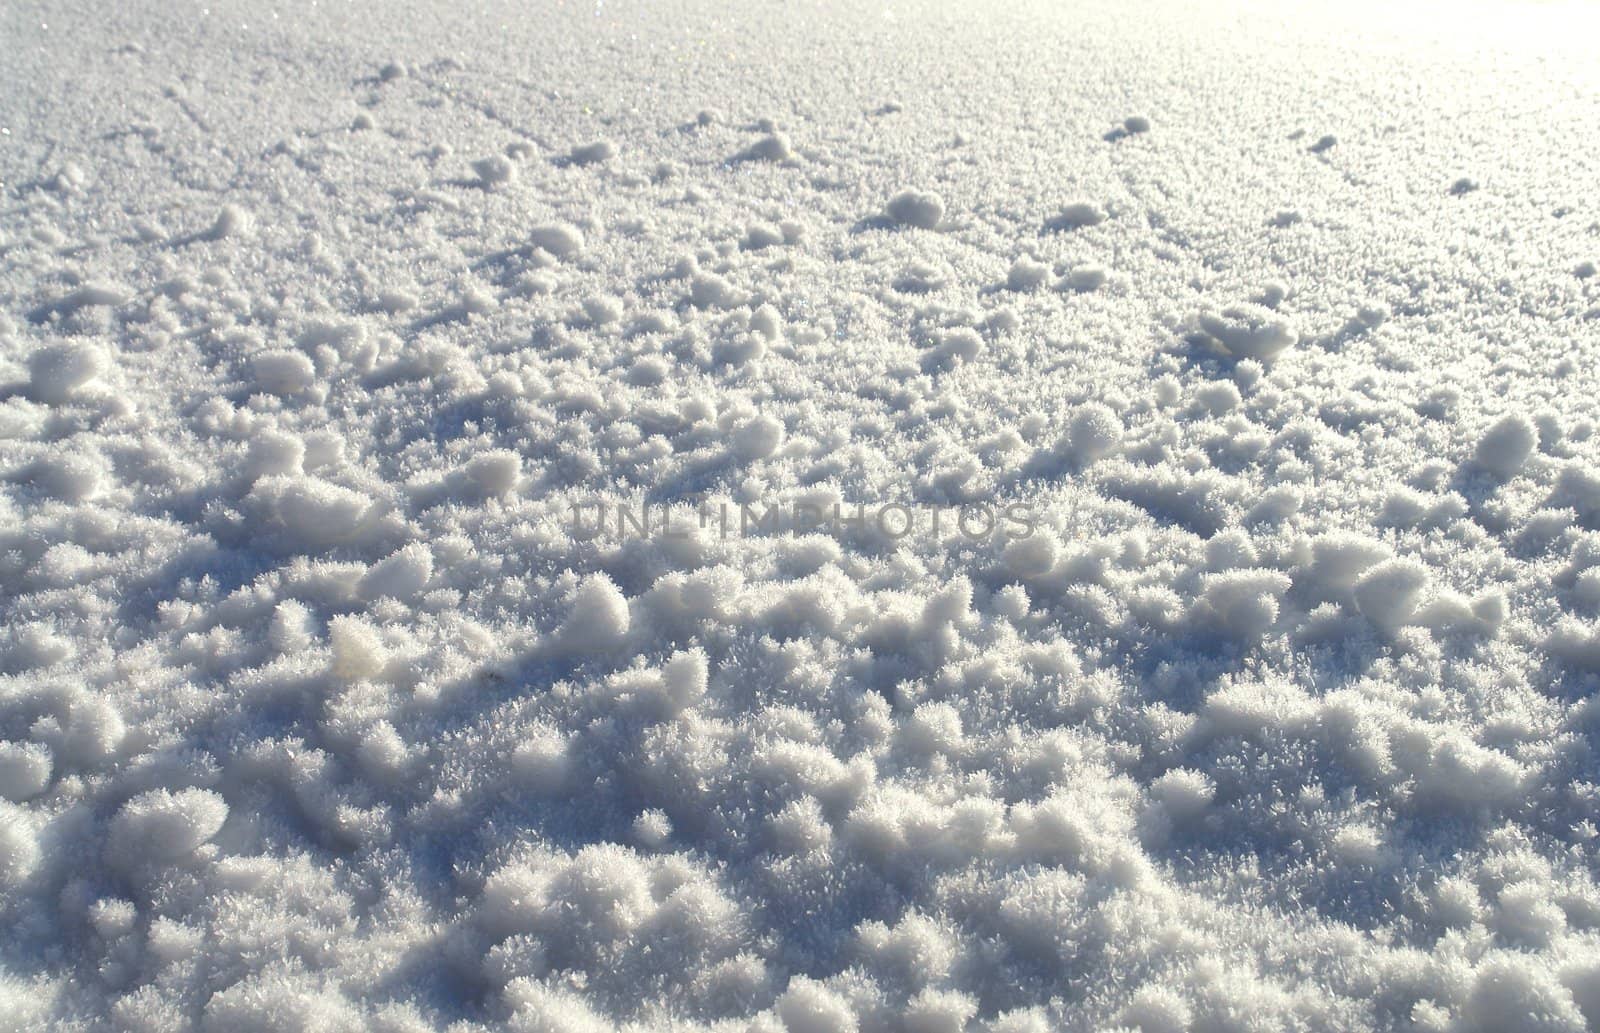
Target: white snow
1250 331
560 239
921 209
495 171
1098 517
593 152
60 371
1076 214
24 769
598 619
159 827
283 372
1506 445
772 147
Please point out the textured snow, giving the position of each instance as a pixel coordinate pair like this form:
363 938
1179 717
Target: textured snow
775 518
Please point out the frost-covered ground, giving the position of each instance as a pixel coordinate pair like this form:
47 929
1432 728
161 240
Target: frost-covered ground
1280 328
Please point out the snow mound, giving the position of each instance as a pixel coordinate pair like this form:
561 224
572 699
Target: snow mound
161 827
1076 215
559 239
592 153
598 620
772 147
1249 331
916 208
550 523
57 373
1506 446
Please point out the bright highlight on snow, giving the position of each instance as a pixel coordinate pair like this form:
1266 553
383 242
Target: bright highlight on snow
1181 613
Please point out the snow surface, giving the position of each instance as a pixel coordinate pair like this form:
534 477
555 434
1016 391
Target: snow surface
1280 327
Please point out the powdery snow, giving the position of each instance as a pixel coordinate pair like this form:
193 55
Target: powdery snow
951 519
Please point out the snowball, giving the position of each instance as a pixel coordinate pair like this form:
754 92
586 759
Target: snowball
1575 642
1026 274
559 239
1358 844
163 827
290 629
496 170
24 770
708 290
89 295
1464 775
542 1009
1525 914
652 829
401 576
39 645
112 917
766 322
279 999
494 473
1272 292
1095 432
808 1006
58 373
1518 993
800 827
19 846
231 221
1183 794
1226 550
598 620
1505 446
939 1011
602 309
950 348
1340 557
310 511
1032 556
1373 314
275 453
358 649
1157 1009
1020 1020
934 728
1388 594
1136 124
1076 215
382 753
283 372
1085 278
94 733
542 760
684 679
1242 603
592 153
756 438
67 179
772 147
1250 331
1217 396
74 478
759 236
916 208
